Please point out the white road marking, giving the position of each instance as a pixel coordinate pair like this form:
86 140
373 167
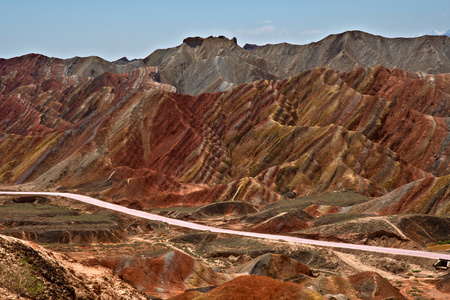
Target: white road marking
149 216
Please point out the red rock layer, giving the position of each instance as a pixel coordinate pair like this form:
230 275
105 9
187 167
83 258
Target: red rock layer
277 266
423 94
371 285
124 138
425 196
282 223
365 285
259 287
167 275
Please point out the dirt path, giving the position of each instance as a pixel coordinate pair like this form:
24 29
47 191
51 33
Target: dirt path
355 263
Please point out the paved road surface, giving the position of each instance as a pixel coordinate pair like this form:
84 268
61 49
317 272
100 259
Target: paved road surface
185 224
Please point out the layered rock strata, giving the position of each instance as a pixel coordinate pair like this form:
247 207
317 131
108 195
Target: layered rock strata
320 131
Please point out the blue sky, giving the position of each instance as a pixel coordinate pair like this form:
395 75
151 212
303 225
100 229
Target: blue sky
135 28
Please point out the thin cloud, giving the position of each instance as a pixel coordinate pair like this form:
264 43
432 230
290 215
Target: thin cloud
312 31
264 30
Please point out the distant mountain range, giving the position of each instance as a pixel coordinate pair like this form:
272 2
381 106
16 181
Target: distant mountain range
215 64
437 32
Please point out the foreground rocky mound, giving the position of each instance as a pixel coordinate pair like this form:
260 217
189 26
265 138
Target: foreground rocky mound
272 275
258 287
27 270
170 274
366 285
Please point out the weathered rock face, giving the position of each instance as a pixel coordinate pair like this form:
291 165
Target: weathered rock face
277 266
372 286
282 223
258 287
217 64
29 271
366 285
320 131
168 275
444 284
428 196
425 229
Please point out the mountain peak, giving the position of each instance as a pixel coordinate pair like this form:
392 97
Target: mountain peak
198 41
122 61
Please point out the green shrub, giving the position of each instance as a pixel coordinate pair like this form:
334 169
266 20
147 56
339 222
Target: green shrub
19 278
443 242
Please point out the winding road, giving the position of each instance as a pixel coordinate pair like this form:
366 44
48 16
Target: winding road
149 216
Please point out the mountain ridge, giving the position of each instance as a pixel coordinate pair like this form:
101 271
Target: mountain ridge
218 63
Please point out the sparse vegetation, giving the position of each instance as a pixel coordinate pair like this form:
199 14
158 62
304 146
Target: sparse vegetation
447 242
336 218
31 212
19 278
342 199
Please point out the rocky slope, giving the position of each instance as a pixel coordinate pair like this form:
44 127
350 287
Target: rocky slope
321 130
359 286
217 64
168 275
29 271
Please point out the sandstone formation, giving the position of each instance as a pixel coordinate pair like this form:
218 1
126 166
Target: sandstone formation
444 284
277 266
319 131
281 223
370 285
168 275
366 285
256 287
